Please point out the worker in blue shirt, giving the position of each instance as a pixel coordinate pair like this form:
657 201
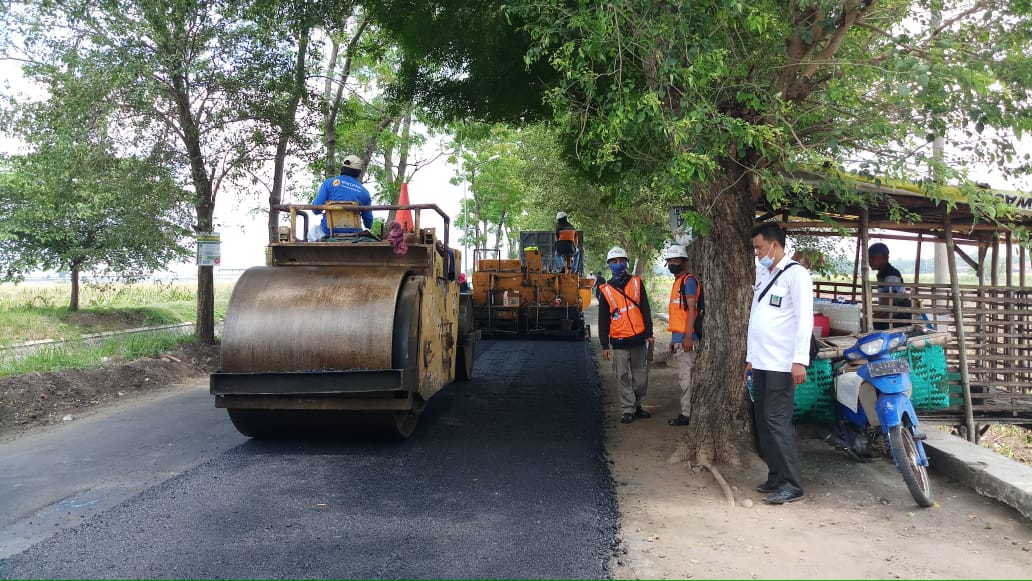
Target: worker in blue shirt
345 188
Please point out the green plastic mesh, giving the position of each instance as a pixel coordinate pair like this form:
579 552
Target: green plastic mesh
928 377
814 399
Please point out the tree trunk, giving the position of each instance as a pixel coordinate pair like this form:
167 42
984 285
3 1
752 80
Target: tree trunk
73 304
204 205
330 129
721 431
288 127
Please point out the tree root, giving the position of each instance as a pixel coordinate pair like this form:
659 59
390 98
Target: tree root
728 495
681 455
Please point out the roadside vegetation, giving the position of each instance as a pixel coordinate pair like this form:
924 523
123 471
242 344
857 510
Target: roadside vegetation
32 313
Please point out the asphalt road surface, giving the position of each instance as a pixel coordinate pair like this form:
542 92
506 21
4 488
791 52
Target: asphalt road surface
504 478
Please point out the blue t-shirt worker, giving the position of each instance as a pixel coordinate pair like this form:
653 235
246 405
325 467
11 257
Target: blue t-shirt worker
345 188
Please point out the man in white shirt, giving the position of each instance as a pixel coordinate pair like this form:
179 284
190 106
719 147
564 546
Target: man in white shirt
778 352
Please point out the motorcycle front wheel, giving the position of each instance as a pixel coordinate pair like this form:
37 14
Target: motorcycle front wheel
904 450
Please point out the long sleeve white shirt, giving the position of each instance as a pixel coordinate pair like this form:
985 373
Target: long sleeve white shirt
781 322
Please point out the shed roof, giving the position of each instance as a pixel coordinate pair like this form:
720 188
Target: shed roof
913 197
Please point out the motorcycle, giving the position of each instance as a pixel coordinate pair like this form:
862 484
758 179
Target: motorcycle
873 404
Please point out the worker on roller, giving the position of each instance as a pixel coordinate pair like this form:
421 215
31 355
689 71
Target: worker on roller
685 325
344 188
625 322
566 251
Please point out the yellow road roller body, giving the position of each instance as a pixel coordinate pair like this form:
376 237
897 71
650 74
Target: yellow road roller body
346 333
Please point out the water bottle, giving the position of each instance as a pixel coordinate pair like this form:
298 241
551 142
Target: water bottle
748 383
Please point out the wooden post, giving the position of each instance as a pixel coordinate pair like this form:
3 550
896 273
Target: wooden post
1021 266
958 322
865 325
1010 258
995 276
857 265
917 275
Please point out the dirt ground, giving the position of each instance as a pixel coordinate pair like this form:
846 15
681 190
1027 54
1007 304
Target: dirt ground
857 520
40 399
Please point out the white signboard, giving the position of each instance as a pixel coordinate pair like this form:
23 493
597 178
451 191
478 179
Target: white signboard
209 249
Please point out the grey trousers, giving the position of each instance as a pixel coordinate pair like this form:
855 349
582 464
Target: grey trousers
632 374
685 361
774 392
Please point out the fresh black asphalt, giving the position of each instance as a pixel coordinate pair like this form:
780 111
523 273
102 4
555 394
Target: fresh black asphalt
504 478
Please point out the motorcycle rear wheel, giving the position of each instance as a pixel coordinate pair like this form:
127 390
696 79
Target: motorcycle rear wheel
904 450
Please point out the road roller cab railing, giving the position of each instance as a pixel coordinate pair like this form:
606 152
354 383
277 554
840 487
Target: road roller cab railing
339 333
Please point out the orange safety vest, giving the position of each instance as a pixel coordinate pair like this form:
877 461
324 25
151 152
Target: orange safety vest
625 320
678 308
569 235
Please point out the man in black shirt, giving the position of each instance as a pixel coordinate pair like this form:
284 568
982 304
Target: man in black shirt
892 285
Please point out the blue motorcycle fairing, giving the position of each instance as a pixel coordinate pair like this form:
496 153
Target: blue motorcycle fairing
859 417
896 383
892 407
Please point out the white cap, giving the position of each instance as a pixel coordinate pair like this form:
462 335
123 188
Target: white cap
616 252
353 162
674 251
560 215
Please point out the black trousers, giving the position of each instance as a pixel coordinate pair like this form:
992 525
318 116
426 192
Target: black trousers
774 394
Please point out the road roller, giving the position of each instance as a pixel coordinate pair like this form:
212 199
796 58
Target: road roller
353 332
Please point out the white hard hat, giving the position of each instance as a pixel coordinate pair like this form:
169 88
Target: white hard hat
560 215
353 162
616 252
674 251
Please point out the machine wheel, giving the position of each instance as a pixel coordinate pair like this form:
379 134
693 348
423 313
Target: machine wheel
404 424
256 423
904 450
464 359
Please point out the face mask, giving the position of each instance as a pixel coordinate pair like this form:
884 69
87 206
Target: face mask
675 268
618 268
767 261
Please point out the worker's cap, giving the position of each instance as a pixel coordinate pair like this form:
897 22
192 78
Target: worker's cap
352 162
674 251
560 215
878 249
616 252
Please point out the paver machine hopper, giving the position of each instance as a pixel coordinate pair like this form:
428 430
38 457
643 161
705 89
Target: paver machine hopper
536 294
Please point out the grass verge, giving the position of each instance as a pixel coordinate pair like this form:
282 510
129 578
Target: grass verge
76 355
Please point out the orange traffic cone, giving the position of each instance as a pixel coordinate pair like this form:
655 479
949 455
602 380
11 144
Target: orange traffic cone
404 217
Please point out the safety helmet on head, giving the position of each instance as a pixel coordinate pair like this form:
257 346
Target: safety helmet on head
674 251
616 252
352 162
560 215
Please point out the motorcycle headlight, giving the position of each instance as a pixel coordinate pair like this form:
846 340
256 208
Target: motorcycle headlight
893 344
872 347
852 355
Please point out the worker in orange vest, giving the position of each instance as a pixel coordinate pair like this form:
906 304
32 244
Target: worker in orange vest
625 323
566 250
685 312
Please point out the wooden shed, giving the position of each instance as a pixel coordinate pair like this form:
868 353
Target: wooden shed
989 353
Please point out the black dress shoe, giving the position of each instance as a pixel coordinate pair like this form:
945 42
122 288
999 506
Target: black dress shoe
769 487
626 418
783 496
680 420
642 413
